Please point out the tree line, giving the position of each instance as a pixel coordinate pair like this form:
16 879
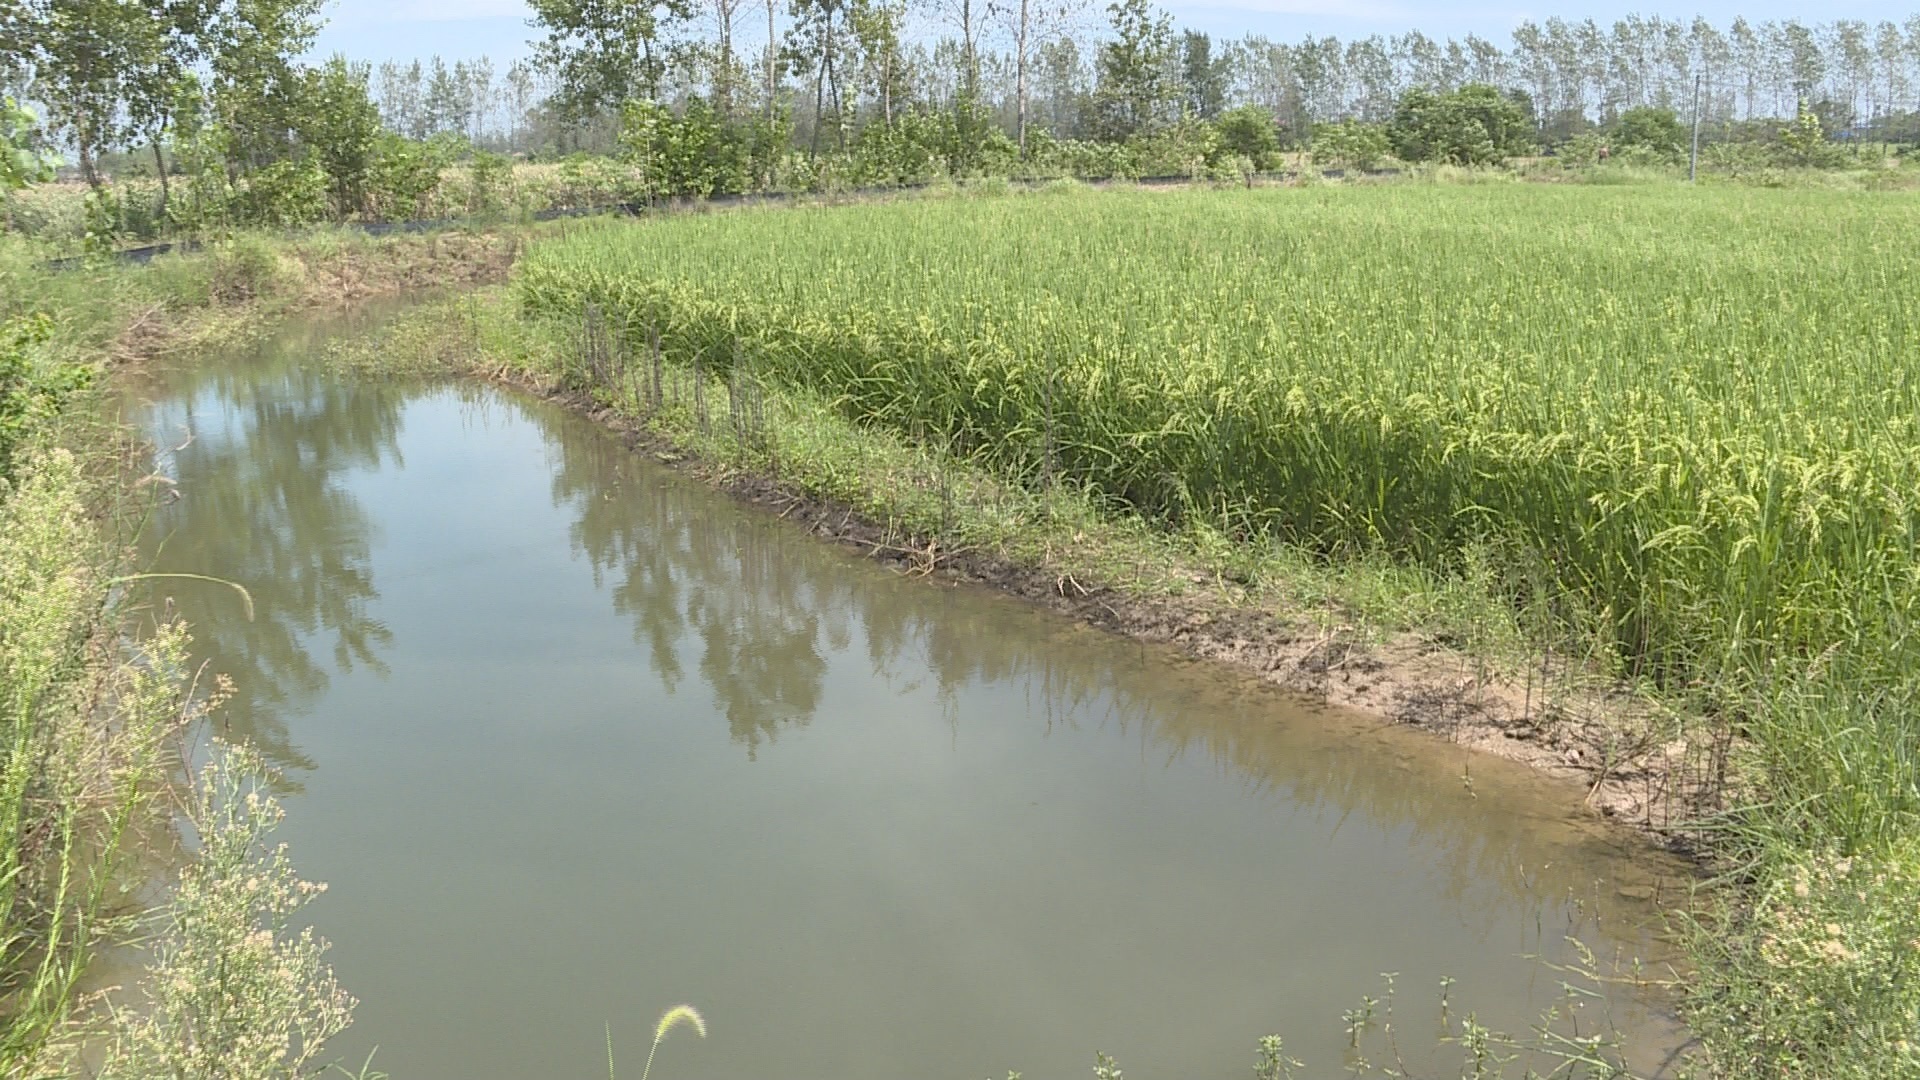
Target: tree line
706 96
1056 70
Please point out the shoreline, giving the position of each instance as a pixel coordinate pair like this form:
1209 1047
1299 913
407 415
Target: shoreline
1593 735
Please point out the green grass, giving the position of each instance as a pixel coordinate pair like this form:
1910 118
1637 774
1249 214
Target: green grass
1680 422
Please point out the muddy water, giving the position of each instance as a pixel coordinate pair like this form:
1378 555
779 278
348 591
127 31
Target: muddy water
573 739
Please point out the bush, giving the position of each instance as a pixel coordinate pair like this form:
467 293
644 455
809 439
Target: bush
1188 148
1654 131
915 149
1082 158
1474 125
489 183
285 193
1349 144
1804 142
402 178
694 152
30 393
1249 131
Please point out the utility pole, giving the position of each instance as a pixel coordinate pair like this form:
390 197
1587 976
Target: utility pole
1693 159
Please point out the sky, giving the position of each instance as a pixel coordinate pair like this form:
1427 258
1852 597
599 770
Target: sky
376 30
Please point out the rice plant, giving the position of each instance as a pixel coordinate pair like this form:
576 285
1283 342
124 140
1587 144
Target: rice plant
1695 408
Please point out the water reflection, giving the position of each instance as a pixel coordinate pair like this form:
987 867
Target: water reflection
762 607
754 610
524 765
260 464
762 620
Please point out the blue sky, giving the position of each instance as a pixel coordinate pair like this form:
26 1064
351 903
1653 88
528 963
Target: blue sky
463 29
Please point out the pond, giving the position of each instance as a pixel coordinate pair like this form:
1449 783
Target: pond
573 738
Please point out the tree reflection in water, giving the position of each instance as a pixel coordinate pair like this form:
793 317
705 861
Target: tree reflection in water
769 609
263 502
764 621
760 615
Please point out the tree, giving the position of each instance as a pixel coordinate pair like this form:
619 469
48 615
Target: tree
1371 67
519 94
1655 128
1805 62
1134 90
1474 125
725 76
446 100
1062 91
818 39
603 53
255 84
876 29
160 78
80 52
1203 77
480 96
965 16
400 97
340 128
1033 26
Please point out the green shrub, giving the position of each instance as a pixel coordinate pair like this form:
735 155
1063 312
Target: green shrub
1249 131
32 391
403 176
1654 132
1474 125
1349 144
285 193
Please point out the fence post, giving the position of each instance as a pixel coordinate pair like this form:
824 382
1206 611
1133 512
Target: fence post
1693 159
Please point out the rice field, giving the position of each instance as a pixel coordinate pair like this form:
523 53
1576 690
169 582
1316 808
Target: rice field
1687 414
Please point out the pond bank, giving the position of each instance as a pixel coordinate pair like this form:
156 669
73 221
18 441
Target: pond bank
1438 655
95 712
998 837
914 508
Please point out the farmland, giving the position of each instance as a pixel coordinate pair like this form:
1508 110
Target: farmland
1693 411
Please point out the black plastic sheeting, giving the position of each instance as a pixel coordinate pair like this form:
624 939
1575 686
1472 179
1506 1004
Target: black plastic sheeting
141 256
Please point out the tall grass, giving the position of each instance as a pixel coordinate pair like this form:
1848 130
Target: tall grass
84 730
